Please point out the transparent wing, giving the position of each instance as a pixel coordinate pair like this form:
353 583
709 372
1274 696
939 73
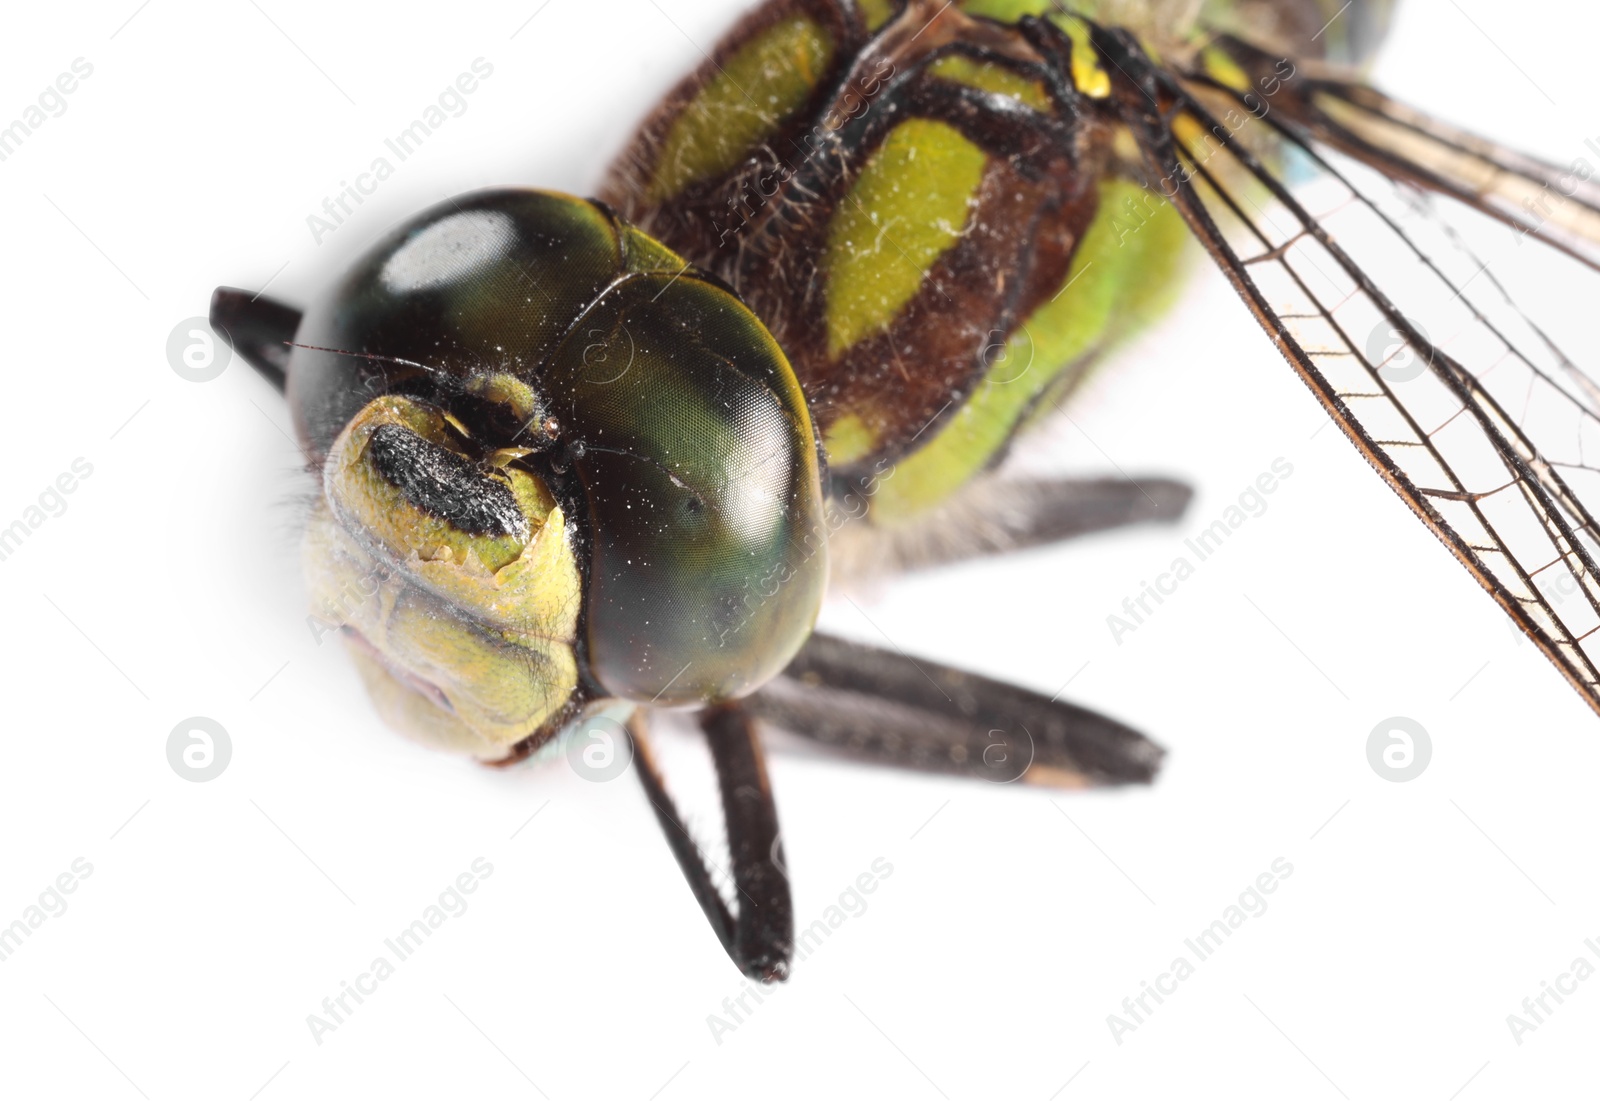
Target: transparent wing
1560 205
1467 409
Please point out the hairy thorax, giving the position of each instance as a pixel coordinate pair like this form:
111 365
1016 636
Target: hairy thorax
932 208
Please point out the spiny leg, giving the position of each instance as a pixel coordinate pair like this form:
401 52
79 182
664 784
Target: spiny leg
764 934
890 709
760 936
998 515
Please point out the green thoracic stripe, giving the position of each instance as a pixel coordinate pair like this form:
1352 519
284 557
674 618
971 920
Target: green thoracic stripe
762 84
875 13
848 440
1009 11
1128 262
908 206
992 78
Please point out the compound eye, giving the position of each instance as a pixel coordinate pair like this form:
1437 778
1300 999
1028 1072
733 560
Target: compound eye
700 475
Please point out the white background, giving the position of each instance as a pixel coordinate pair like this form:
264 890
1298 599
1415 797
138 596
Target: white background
219 915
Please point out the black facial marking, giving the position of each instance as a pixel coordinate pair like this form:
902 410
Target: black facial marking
445 485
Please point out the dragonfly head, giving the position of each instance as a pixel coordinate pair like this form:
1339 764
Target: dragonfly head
559 466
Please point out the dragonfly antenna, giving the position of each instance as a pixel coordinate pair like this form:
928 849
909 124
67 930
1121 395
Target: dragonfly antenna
370 355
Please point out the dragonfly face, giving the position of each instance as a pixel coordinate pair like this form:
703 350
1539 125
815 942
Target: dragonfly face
557 467
570 457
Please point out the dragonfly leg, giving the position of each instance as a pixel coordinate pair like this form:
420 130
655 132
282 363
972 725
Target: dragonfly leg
890 709
758 933
998 515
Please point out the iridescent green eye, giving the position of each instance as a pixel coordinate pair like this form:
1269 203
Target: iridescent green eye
700 475
517 359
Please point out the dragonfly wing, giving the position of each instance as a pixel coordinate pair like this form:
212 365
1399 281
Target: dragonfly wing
1485 428
1557 204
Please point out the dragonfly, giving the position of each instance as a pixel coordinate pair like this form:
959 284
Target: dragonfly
586 461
